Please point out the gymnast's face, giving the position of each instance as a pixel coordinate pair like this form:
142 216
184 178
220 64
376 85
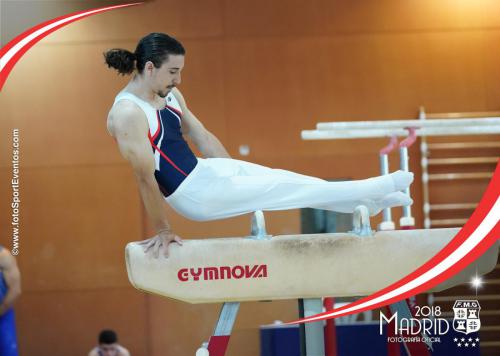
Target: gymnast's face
168 76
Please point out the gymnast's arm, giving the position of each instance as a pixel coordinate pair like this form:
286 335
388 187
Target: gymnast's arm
130 128
12 276
208 144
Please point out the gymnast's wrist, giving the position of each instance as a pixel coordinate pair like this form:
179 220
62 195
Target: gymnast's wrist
164 230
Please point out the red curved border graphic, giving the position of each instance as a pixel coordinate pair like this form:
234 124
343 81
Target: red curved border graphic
15 49
487 212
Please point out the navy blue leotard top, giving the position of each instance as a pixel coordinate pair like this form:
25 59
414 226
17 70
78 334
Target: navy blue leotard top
174 160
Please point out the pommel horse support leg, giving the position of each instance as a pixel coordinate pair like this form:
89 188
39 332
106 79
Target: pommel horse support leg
217 345
238 269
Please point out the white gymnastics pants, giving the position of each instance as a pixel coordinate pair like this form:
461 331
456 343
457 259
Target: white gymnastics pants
220 188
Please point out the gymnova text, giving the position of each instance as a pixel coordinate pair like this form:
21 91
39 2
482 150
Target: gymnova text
222 272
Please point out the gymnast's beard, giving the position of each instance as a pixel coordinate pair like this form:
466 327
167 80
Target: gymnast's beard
163 94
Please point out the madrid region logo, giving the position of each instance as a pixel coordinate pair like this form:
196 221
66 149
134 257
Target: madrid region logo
466 321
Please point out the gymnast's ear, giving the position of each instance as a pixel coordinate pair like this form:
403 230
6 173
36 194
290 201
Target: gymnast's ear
149 68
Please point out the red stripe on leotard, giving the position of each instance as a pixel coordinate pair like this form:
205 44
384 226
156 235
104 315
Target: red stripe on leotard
174 110
158 129
166 157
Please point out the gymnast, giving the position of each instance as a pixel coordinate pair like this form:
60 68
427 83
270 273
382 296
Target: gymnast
149 119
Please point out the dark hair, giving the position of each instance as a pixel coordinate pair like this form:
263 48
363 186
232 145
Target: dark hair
107 337
155 47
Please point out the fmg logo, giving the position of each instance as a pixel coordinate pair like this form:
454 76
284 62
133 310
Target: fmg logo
223 272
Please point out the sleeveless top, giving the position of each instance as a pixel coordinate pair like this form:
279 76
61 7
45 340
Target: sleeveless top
174 160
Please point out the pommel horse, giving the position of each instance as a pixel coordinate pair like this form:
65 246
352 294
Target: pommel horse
291 266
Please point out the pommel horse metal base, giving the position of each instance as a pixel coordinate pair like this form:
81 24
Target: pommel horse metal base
290 267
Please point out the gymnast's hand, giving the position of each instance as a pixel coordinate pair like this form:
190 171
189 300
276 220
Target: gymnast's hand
161 242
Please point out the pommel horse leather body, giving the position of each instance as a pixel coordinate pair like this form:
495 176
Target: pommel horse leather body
292 266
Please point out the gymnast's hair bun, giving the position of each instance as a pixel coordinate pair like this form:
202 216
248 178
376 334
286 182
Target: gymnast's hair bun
121 60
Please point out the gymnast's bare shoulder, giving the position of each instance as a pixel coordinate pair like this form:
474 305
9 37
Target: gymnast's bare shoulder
125 114
120 351
127 123
7 261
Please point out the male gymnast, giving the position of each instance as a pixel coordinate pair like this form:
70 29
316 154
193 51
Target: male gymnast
149 120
